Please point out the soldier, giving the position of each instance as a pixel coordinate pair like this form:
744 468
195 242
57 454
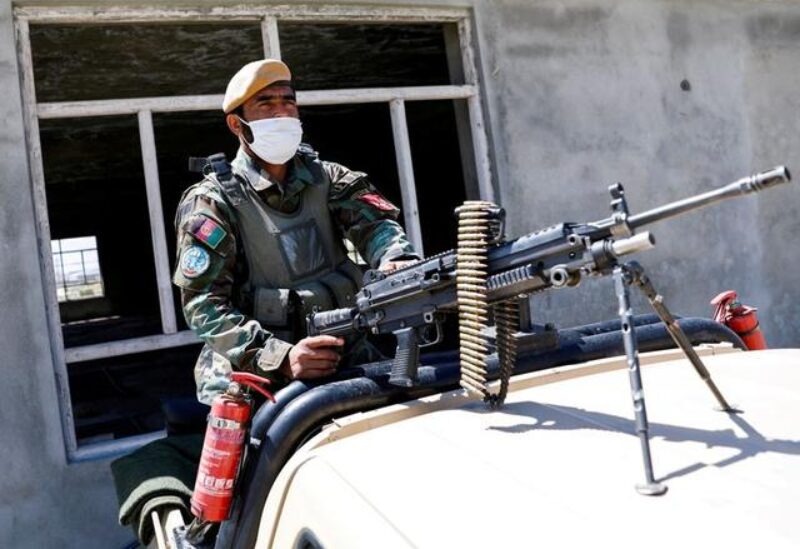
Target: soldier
260 243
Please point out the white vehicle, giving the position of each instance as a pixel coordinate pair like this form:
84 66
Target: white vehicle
556 465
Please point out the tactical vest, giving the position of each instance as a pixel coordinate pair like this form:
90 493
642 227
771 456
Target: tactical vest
296 262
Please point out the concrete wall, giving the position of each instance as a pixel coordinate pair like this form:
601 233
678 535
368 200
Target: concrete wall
579 94
43 501
587 93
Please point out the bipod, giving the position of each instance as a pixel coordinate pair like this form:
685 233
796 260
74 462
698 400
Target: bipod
623 279
632 273
640 279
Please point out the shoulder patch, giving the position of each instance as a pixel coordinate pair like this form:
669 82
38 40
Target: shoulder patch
376 201
207 230
195 261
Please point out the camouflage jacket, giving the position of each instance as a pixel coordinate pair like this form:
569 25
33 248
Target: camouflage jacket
210 297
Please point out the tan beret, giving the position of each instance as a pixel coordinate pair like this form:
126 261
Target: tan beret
251 78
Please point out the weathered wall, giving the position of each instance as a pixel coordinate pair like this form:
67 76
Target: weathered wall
584 93
43 501
580 93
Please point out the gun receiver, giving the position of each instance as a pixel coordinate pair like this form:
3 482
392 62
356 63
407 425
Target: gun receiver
410 301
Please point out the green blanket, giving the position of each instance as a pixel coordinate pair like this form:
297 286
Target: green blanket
158 474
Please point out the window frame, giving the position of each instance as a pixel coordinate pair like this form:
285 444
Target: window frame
143 108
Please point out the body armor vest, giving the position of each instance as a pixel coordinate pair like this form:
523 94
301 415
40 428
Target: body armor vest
297 261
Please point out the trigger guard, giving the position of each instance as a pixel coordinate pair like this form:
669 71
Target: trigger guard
423 339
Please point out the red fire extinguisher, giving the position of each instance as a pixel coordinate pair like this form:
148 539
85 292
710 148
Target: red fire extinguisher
742 319
222 447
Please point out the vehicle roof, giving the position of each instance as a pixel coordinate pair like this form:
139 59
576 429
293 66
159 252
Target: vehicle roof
558 463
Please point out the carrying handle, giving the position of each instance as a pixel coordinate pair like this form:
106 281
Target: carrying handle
721 303
253 382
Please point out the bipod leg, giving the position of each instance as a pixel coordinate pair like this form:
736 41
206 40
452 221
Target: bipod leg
622 279
640 279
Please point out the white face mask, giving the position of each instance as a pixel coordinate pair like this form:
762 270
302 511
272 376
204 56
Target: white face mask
275 140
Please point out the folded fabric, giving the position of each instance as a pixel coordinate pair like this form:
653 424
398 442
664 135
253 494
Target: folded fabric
161 473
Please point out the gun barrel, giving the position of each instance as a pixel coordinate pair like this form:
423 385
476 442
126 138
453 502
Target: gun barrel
746 185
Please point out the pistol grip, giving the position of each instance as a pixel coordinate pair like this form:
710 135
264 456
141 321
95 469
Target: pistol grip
406 358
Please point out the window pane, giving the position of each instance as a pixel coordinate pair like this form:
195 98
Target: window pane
73 268
96 199
77 272
82 243
332 56
91 265
84 291
84 62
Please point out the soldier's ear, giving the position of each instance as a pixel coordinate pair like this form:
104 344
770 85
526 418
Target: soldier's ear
234 124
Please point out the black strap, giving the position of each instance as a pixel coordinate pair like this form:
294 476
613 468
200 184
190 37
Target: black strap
312 162
197 164
226 179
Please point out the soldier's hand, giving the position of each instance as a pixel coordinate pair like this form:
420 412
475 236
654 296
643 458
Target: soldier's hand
312 357
391 266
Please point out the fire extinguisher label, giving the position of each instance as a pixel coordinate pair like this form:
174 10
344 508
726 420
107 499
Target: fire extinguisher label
213 483
227 435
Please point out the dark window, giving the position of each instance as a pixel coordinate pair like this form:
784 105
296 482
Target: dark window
85 62
95 186
336 56
438 170
123 396
357 136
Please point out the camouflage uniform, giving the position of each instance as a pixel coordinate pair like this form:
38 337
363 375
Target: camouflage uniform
214 305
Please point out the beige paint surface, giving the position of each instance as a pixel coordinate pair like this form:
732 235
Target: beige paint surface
557 466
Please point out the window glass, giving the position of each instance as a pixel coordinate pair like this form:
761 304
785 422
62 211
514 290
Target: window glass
86 62
95 186
77 269
334 56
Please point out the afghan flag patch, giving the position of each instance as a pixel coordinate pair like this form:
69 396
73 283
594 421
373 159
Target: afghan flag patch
210 232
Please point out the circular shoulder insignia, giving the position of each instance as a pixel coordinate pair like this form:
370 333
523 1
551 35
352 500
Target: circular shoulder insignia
194 262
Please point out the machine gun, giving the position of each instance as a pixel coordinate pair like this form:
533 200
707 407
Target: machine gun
412 302
487 273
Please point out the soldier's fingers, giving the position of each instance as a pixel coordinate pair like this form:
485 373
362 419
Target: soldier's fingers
322 354
395 265
323 341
